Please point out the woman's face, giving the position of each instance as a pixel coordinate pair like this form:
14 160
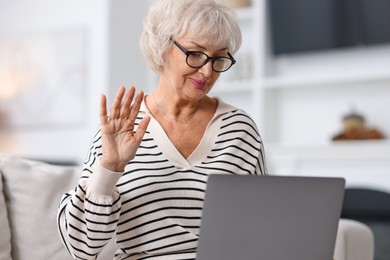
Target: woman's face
186 82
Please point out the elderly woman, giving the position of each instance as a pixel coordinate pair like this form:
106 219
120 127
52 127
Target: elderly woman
145 177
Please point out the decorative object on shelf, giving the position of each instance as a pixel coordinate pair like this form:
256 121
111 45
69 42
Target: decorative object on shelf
236 3
354 128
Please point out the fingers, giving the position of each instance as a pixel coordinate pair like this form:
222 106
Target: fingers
116 105
103 110
136 106
143 125
123 106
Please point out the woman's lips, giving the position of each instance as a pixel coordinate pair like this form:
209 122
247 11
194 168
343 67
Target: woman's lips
199 84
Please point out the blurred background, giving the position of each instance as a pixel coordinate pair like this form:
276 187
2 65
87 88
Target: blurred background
314 75
56 57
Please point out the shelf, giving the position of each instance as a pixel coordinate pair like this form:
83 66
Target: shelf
287 82
335 151
364 164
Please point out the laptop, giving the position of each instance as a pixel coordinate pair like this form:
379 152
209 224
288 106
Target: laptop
270 218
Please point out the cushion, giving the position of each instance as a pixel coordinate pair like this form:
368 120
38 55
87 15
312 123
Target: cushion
32 192
5 237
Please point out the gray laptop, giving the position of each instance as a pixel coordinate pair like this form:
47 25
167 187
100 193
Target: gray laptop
270 218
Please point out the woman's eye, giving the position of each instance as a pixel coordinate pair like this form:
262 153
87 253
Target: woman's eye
197 55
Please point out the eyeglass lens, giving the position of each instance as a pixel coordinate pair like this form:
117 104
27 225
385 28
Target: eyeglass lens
199 59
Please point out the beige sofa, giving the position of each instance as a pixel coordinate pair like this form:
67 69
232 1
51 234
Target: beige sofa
30 192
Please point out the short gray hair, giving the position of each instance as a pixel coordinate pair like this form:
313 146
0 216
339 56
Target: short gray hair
172 19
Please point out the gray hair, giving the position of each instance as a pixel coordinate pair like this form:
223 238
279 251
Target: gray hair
172 19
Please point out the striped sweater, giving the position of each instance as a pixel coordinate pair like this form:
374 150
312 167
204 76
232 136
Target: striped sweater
154 208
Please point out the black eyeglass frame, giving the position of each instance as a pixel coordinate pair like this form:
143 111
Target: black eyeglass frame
213 59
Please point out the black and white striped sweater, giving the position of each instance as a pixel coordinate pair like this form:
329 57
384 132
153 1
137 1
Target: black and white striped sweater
154 208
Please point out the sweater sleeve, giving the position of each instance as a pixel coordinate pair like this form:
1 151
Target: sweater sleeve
88 215
261 167
258 144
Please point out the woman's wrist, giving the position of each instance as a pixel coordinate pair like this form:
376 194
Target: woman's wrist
112 166
103 181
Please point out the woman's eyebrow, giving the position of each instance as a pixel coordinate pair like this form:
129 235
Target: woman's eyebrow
204 48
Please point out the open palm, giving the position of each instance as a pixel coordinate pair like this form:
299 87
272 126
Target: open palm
119 141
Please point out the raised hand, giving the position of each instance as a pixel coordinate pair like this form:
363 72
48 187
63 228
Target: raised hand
119 141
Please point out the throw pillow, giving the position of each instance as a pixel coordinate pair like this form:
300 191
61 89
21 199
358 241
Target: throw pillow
5 237
32 192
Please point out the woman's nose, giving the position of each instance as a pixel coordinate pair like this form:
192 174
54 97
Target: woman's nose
207 69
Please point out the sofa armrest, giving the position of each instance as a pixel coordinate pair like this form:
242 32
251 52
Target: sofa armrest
355 241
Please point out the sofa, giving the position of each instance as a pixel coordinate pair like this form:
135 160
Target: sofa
30 192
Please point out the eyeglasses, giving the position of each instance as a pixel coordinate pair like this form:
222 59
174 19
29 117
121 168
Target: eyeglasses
197 59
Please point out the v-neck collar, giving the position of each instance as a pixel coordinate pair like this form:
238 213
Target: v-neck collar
204 147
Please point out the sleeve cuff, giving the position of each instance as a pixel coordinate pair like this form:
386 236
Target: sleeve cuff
102 182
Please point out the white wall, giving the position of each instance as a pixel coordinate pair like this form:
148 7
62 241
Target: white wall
127 64
113 58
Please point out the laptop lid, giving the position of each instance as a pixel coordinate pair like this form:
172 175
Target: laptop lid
270 218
